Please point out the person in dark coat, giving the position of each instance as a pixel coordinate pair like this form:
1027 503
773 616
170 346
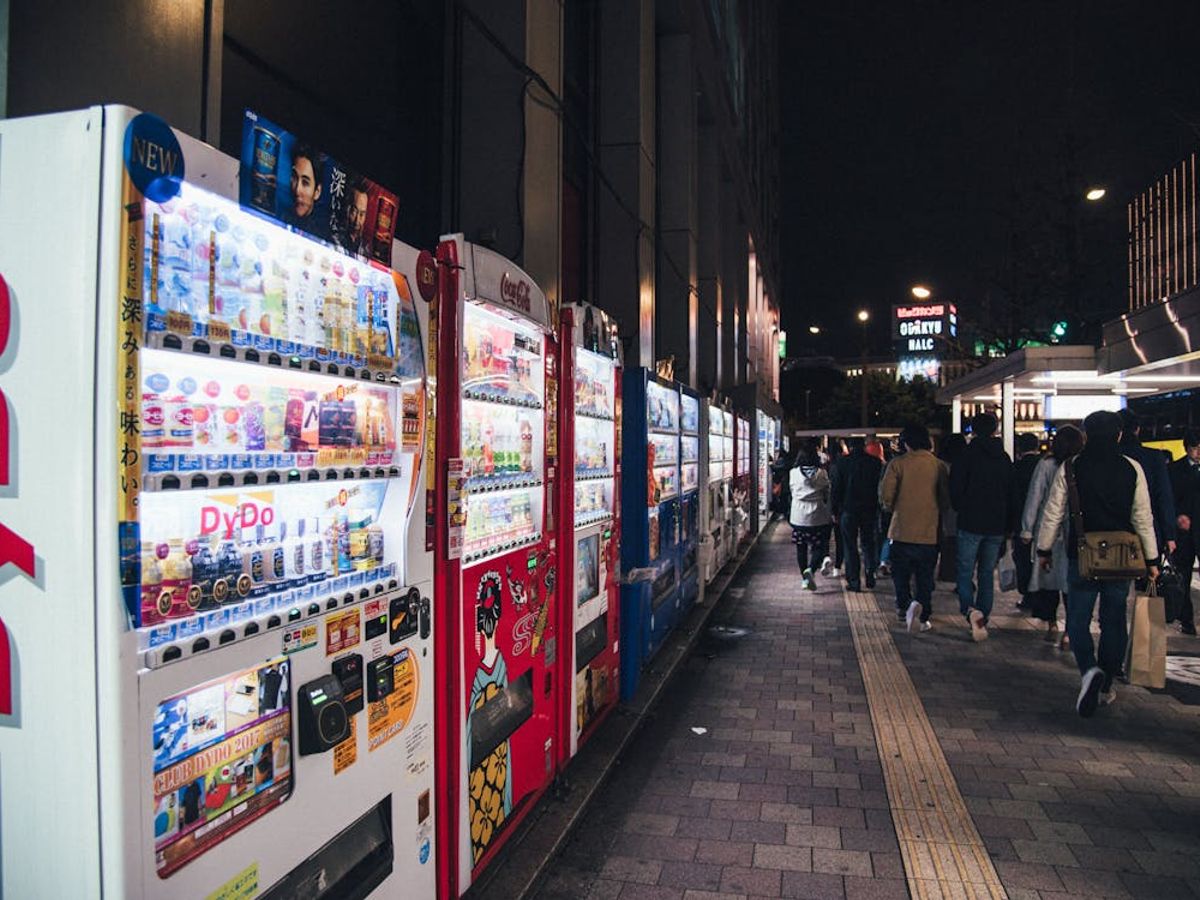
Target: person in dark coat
1154 465
1029 454
855 502
950 452
980 491
1185 491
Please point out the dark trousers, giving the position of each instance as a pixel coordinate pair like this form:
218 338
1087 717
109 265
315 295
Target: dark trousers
812 545
1043 605
1023 561
856 527
1183 559
914 562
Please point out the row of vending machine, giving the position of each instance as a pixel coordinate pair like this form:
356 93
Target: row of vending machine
316 572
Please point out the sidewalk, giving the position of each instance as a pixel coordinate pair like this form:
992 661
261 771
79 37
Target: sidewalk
758 773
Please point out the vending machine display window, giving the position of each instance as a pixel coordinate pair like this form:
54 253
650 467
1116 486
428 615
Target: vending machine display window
222 758
587 569
662 407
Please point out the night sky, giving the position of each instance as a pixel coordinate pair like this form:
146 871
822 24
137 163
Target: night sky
914 132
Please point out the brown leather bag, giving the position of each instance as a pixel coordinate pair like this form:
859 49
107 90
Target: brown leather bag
1103 555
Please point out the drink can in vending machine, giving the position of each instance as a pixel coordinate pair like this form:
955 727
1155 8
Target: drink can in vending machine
262 174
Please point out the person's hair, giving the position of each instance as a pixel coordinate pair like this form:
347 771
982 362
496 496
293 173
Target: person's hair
806 454
1068 441
915 437
305 151
1191 437
952 447
856 443
1102 427
1027 442
983 424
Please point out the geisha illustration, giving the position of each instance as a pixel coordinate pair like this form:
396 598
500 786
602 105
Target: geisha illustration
489 783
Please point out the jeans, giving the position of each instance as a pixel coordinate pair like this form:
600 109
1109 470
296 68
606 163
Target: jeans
914 561
1081 600
858 526
983 549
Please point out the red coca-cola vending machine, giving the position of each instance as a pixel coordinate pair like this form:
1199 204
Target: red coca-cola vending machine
495 522
589 529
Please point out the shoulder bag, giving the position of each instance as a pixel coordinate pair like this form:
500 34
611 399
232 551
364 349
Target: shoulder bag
1103 555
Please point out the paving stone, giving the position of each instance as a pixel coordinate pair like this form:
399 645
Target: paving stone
725 853
842 862
757 882
712 829
651 823
812 886
775 856
691 875
629 868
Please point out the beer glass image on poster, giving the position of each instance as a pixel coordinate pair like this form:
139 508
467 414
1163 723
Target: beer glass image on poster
222 758
290 180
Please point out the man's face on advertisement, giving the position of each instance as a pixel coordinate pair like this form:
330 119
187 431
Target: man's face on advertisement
356 214
305 190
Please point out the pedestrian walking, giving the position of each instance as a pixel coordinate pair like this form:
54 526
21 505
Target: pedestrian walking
949 453
854 499
1158 480
1029 454
980 491
831 567
915 490
1046 586
1111 495
1184 474
781 498
810 517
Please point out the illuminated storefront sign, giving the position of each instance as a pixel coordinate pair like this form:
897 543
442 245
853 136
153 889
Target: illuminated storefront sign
920 333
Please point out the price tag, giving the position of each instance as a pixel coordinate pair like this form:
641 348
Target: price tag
219 333
179 323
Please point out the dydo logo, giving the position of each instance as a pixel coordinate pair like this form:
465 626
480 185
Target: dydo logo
230 514
13 548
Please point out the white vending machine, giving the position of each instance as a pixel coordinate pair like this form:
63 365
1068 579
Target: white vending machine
216 587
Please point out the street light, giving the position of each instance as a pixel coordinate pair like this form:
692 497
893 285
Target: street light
814 329
921 292
863 318
1096 193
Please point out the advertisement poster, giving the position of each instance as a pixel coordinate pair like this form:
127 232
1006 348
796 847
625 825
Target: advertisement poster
342 631
222 758
294 182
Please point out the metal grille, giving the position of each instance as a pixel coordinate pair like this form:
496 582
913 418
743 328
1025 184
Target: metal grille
1162 237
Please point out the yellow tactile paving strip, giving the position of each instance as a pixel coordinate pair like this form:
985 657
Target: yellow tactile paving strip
943 853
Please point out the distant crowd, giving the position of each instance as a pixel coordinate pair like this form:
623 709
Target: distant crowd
898 510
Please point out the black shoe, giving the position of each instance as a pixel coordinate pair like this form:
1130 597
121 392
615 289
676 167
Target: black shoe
853 586
1187 628
870 583
1089 692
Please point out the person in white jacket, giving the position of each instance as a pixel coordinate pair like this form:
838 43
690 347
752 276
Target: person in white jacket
1112 497
810 516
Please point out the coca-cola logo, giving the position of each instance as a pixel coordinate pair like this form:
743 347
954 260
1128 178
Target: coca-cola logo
214 520
515 293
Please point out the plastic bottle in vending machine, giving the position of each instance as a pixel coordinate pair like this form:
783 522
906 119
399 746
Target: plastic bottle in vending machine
318 558
254 427
276 558
154 605
295 572
254 563
486 449
526 445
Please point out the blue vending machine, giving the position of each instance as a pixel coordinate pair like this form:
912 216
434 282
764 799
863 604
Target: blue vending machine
650 511
689 485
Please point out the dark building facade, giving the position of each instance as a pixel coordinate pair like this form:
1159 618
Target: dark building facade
624 153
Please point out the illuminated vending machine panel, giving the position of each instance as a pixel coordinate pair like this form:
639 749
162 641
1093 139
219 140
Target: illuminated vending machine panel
270 438
589 544
650 528
689 480
729 443
764 475
714 494
500 557
741 481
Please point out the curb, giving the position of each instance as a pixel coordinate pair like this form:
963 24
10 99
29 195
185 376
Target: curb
524 862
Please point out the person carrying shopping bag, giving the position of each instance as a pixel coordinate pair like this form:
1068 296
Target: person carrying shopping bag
1046 588
1102 499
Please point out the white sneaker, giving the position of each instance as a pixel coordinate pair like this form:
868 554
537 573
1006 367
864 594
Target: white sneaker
912 618
926 626
827 567
979 630
1089 692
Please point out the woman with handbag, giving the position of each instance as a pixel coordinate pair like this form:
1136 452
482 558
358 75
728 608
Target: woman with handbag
1102 497
1046 587
810 517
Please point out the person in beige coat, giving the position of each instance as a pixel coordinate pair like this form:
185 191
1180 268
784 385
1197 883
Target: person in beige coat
915 489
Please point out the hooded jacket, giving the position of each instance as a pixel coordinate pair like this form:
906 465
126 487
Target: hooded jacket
810 496
981 487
